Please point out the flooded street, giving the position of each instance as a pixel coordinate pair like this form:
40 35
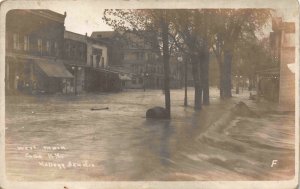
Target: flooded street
60 138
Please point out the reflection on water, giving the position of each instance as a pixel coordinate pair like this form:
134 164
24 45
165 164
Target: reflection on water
122 145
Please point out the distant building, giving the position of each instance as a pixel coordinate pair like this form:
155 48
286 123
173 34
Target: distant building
142 64
34 46
283 45
75 59
98 75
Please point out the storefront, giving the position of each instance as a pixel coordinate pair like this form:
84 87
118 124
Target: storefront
35 75
102 80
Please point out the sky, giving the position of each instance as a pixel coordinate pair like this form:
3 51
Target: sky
87 22
86 18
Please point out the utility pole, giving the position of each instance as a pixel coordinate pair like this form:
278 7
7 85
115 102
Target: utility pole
185 82
75 79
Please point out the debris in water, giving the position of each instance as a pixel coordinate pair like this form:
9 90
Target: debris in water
106 108
252 96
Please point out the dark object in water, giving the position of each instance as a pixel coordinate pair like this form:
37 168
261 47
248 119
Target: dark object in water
241 109
99 108
157 113
252 96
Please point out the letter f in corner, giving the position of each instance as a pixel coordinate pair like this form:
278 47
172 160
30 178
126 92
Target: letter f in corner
274 162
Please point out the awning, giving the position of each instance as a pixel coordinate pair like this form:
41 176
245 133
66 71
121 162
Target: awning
124 77
271 71
54 69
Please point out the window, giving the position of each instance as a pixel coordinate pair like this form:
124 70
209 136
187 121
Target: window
56 48
16 41
136 56
68 49
72 50
102 62
133 81
26 43
48 47
141 56
91 60
98 60
82 51
40 47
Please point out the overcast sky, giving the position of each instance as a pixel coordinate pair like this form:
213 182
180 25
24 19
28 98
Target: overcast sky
82 22
88 18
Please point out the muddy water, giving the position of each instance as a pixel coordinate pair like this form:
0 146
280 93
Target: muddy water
120 144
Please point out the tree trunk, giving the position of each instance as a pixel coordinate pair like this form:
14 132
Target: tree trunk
221 70
166 58
220 61
227 74
197 82
205 75
237 90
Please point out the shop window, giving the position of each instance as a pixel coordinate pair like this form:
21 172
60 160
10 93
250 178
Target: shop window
16 41
102 62
26 43
56 48
48 47
40 46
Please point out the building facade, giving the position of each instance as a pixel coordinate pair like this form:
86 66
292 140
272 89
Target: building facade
34 46
284 51
98 75
75 60
142 64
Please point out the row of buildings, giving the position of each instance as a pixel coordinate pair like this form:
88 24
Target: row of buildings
42 57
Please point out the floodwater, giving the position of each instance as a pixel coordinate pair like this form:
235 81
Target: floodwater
59 138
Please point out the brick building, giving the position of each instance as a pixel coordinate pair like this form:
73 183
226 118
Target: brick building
75 59
34 46
143 67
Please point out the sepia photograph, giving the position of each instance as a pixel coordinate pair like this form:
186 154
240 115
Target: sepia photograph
190 93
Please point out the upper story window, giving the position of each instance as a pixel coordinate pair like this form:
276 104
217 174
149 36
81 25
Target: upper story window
40 45
68 49
26 43
56 48
48 47
91 60
98 60
72 50
141 56
82 52
16 42
102 62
